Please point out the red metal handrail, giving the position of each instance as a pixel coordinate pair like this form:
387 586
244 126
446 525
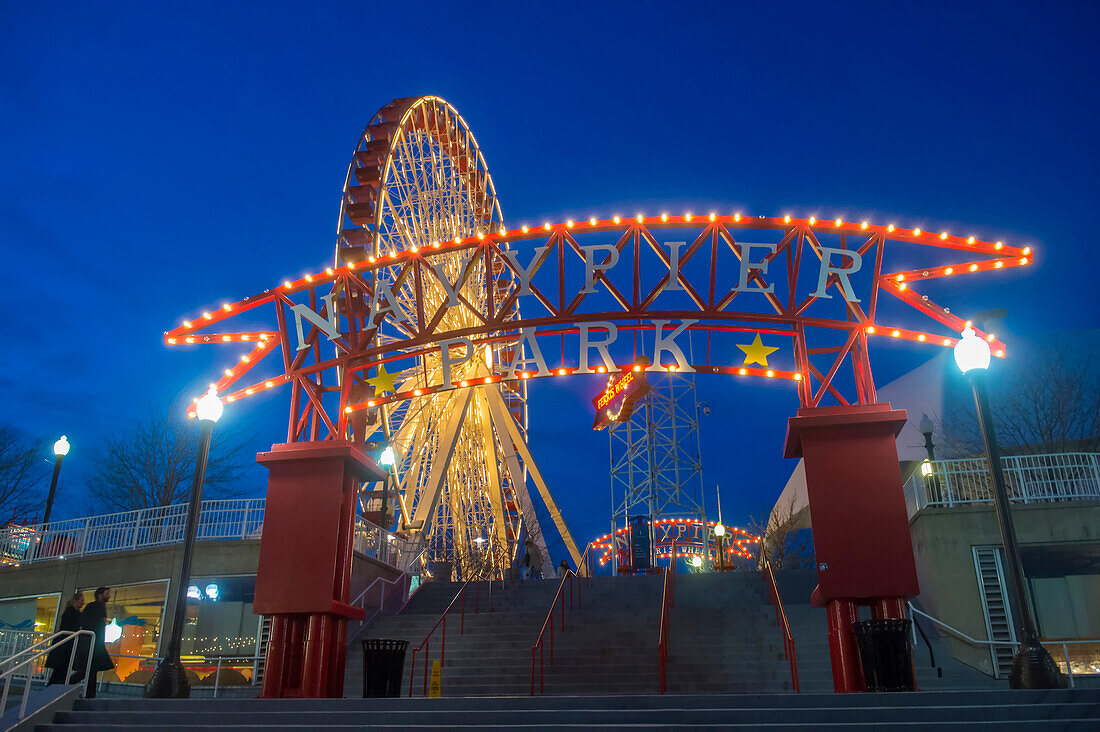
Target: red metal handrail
781 620
570 575
667 603
443 620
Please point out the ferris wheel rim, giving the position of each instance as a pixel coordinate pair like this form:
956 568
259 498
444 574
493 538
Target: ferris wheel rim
401 125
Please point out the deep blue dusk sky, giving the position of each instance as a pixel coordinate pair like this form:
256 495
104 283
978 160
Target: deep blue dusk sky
159 157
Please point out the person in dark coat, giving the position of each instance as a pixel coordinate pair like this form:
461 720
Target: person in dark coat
58 658
94 618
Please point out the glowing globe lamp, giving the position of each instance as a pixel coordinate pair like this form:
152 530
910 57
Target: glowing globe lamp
209 408
386 457
971 352
719 530
926 468
696 562
112 632
61 447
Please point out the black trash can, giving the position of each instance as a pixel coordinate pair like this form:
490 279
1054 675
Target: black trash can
886 654
383 664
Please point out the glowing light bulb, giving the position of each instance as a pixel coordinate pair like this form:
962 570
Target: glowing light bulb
592 221
890 227
870 329
863 225
943 236
949 270
838 223
786 219
742 372
524 228
973 268
916 232
970 240
813 220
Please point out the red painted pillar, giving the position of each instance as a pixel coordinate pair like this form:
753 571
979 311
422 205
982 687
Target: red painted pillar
843 653
304 575
862 544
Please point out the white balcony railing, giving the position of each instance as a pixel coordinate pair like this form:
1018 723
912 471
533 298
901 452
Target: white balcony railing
1071 476
163 525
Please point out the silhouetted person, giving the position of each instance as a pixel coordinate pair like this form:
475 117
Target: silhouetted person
563 569
94 618
58 658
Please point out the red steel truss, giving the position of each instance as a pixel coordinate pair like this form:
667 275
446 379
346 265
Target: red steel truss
631 285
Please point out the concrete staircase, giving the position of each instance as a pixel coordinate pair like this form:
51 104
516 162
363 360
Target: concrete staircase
1017 710
608 646
810 630
723 639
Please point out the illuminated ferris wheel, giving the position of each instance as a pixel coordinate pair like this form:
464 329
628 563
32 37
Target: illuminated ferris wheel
418 179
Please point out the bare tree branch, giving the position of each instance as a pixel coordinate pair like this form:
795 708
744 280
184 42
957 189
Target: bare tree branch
788 546
154 463
22 475
1048 403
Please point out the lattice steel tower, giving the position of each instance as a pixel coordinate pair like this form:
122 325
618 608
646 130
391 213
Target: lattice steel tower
656 465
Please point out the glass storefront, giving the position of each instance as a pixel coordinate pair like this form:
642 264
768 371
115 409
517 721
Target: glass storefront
1064 581
220 624
26 620
134 617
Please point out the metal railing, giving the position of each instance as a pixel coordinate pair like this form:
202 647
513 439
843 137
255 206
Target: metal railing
667 602
228 519
425 645
570 576
31 661
1013 644
404 581
148 527
375 542
1070 476
218 662
781 620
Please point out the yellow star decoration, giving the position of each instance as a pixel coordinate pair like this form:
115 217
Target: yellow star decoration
757 352
383 381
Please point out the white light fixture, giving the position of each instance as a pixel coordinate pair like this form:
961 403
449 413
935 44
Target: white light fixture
489 356
719 530
696 562
926 468
971 352
112 632
479 540
193 593
61 447
212 591
209 408
386 457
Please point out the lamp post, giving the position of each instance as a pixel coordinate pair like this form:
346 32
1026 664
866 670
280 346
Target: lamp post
170 679
1032 667
720 533
926 428
60 450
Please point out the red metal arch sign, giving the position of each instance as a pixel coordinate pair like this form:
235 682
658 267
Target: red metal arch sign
780 297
